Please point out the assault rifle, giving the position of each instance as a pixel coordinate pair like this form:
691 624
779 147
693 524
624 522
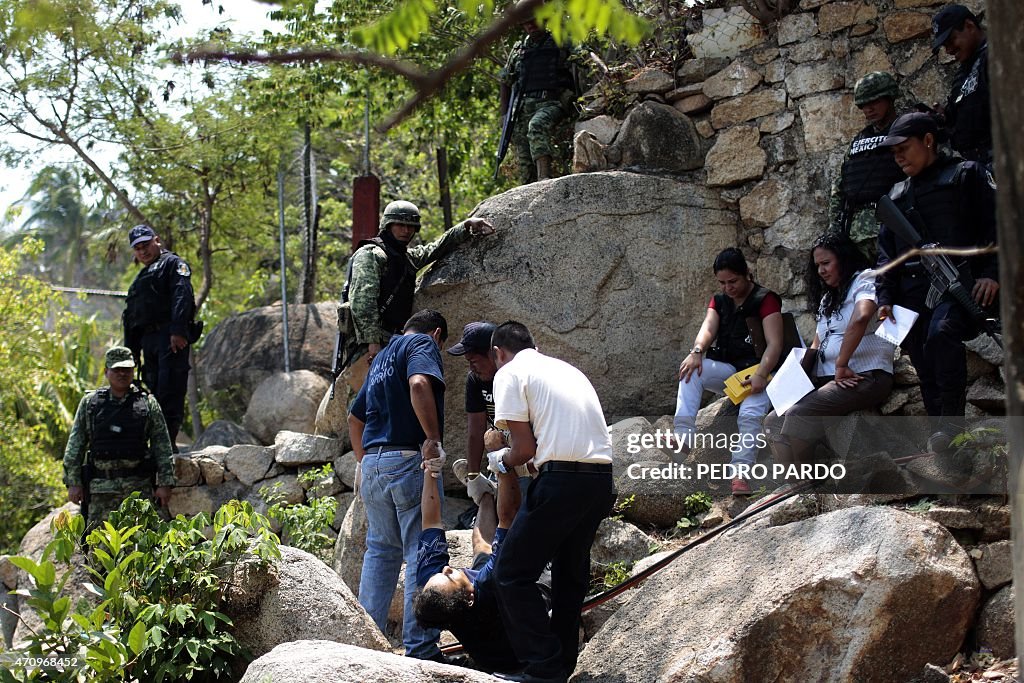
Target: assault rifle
507 126
340 358
944 276
84 506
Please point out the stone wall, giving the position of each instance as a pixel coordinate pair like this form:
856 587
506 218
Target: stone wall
773 108
210 477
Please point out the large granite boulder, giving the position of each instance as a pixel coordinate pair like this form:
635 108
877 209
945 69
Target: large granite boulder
243 350
223 433
576 277
296 598
657 137
863 594
319 661
284 401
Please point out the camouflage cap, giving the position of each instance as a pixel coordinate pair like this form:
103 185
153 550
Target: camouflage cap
874 86
400 211
119 357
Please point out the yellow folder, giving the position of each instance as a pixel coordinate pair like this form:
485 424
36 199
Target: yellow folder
734 387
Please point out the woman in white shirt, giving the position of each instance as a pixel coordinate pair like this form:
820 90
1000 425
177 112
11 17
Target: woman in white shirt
851 369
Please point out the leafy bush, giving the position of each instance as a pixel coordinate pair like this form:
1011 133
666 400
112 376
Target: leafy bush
155 593
303 525
46 363
616 573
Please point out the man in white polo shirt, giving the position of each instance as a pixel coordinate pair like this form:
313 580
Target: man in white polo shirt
555 417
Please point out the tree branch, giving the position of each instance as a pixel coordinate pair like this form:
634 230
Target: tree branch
404 69
426 84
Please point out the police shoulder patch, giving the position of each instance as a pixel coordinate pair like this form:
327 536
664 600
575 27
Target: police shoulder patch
183 269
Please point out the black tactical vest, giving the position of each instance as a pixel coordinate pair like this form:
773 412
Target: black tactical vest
972 127
118 429
870 171
544 67
934 202
149 302
734 344
397 286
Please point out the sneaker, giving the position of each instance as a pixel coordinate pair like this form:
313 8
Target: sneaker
740 487
460 468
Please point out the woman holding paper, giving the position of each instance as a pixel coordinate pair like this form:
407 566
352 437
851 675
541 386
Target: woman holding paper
851 369
744 311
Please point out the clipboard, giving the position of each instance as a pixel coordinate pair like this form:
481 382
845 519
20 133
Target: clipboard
734 388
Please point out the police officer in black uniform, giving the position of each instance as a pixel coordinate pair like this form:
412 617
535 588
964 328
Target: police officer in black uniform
959 31
159 322
951 202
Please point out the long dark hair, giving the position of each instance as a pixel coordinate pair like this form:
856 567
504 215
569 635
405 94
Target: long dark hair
824 300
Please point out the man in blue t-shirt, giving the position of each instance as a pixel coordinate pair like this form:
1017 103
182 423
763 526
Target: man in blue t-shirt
464 601
395 422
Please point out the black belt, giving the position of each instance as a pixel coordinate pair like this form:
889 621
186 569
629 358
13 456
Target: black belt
570 466
394 447
543 94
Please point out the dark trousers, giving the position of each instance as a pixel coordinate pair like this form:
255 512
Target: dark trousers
556 522
936 348
166 376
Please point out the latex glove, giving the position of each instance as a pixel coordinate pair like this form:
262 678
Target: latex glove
494 460
478 486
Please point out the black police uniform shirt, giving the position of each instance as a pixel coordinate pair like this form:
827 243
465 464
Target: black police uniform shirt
161 294
967 110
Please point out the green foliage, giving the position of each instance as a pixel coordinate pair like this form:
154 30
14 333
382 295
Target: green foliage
923 505
616 573
303 524
46 363
697 503
153 610
621 506
694 506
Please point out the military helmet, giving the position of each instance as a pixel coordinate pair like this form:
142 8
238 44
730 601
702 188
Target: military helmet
875 85
400 212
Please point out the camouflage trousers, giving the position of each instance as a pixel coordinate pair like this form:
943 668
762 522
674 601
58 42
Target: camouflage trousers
534 132
102 503
864 232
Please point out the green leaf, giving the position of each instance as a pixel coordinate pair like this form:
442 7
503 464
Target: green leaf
137 638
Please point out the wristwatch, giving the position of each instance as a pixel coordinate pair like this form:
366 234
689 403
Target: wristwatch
697 350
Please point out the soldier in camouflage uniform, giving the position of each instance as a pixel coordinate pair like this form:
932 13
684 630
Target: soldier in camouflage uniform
118 442
377 299
541 68
869 171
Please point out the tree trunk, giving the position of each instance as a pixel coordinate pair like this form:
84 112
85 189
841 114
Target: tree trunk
1006 66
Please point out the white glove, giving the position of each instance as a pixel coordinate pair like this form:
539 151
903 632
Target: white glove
435 465
478 486
494 460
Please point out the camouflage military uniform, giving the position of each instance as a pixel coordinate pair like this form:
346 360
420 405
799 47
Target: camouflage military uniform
868 171
541 109
106 493
368 268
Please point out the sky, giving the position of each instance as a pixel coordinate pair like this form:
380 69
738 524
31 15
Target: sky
241 16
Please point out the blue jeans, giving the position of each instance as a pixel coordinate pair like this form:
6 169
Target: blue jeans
391 487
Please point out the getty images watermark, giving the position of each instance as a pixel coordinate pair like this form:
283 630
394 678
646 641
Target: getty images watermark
666 440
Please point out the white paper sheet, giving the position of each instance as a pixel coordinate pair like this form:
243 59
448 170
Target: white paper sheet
895 331
790 383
